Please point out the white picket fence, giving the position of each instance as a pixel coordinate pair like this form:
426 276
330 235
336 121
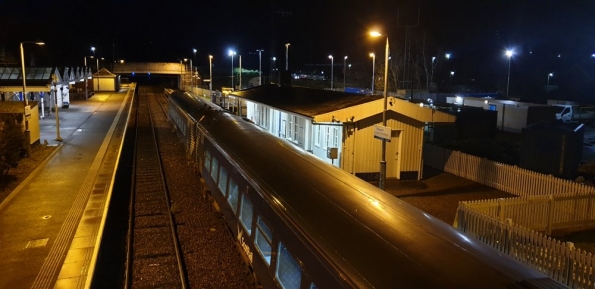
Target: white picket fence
511 179
561 261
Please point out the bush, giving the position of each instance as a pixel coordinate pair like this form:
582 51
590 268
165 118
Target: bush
12 139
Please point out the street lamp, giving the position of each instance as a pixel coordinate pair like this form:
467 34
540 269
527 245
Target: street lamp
274 70
86 78
509 53
240 86
452 73
383 159
260 66
287 56
211 73
26 107
194 51
548 78
344 70
432 73
373 69
332 62
231 53
191 75
447 55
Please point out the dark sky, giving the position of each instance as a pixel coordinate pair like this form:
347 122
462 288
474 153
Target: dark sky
168 30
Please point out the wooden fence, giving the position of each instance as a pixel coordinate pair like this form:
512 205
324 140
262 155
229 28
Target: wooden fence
539 213
511 179
561 261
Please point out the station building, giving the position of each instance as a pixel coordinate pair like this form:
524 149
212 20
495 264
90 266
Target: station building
339 127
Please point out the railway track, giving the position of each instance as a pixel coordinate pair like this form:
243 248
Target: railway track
154 255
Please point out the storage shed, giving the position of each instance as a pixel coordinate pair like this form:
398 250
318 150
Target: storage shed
103 80
552 148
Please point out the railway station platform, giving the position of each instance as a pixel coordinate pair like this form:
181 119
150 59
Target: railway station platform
51 224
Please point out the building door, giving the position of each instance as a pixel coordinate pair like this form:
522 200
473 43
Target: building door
393 155
347 152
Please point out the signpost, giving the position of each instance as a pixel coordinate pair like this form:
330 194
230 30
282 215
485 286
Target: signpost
382 132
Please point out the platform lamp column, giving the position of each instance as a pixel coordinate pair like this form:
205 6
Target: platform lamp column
373 69
383 156
85 76
332 64
55 80
240 86
344 70
260 66
27 108
211 73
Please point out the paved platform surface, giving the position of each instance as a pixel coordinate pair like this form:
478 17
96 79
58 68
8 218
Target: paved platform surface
50 225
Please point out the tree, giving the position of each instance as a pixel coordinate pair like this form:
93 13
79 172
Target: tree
12 139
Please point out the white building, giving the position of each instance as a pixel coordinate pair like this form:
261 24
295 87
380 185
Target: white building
321 121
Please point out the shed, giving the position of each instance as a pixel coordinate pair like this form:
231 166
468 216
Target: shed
18 107
103 80
552 148
333 124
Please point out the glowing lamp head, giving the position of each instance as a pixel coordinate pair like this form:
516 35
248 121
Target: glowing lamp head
372 55
330 57
509 53
375 34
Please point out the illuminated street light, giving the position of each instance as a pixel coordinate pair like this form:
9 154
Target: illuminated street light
287 56
260 66
373 69
211 74
27 109
344 70
548 78
383 157
447 55
452 73
509 54
332 62
231 53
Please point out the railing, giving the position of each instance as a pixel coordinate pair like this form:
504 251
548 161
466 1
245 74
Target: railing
561 261
511 179
539 213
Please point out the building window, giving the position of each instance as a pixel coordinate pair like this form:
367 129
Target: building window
327 137
233 195
336 137
296 130
317 135
246 211
283 127
288 270
263 239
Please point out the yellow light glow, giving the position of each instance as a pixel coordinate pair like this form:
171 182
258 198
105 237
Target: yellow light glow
375 34
372 54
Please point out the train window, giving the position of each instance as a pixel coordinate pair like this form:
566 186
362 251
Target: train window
208 160
233 195
223 180
288 270
214 168
263 239
246 213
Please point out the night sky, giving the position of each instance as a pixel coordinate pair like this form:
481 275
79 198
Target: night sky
476 32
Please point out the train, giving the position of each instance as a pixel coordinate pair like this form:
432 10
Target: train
302 223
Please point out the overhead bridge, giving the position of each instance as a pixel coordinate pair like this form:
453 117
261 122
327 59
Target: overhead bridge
172 68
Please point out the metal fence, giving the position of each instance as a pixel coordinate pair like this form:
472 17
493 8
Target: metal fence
511 179
561 261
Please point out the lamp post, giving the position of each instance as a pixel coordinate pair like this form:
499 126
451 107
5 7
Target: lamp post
194 51
287 56
383 157
27 109
191 75
240 86
548 78
332 62
260 66
509 54
432 73
373 69
211 73
452 73
344 70
86 78
231 54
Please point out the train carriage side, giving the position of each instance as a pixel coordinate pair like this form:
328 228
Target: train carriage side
305 222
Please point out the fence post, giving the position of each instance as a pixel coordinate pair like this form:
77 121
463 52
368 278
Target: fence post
570 264
550 215
500 209
509 240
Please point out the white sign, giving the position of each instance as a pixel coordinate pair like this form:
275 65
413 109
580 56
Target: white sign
382 132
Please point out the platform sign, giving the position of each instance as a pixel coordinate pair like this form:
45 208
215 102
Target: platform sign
27 111
382 132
